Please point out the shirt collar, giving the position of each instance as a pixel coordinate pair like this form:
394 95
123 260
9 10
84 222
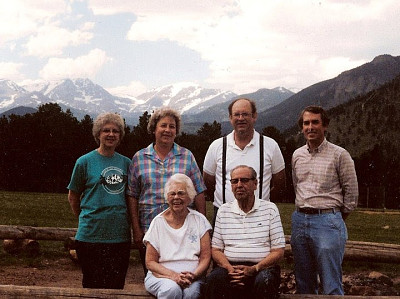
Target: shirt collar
231 139
319 148
152 152
236 209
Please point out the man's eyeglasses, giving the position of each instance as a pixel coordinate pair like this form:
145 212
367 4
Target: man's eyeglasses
108 131
243 180
180 193
244 115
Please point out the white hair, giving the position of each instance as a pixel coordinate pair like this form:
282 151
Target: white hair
183 179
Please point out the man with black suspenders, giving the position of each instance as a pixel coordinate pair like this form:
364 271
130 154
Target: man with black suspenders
242 147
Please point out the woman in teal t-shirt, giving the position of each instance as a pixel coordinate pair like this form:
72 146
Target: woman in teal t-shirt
97 197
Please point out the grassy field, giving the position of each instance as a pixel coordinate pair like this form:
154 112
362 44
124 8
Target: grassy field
47 209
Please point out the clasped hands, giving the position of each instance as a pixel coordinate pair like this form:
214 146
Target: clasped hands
184 279
240 274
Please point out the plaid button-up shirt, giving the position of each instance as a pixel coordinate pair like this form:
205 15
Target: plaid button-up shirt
324 178
148 174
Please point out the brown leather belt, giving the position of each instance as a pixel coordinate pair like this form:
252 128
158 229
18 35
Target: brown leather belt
317 211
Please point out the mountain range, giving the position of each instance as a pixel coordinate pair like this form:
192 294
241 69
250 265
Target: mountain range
330 93
278 107
82 96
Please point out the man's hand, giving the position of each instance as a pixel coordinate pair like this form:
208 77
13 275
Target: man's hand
236 277
240 274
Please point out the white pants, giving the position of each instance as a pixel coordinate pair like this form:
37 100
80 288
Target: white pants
169 289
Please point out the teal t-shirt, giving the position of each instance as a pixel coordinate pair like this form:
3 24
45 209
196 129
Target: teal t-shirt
101 181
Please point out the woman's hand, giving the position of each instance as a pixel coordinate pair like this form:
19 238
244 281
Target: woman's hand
186 279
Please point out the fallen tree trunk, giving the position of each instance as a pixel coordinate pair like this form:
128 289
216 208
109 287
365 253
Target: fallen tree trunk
36 233
13 291
365 251
355 250
371 252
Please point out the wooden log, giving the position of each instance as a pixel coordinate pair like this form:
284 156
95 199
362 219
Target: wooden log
365 251
36 233
372 252
26 246
355 250
311 296
137 292
12 291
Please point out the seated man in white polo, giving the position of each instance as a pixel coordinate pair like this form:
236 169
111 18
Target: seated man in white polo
248 243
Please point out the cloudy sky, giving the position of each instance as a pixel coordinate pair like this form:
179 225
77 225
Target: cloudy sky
130 46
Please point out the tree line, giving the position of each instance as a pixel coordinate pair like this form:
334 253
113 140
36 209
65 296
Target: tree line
38 152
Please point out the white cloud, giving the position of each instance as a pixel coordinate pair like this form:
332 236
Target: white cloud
135 88
246 44
86 66
10 71
173 8
257 43
52 39
19 18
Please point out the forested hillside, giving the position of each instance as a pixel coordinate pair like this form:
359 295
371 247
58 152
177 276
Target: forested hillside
369 128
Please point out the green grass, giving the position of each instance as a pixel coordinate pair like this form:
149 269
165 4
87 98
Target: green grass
53 210
362 225
36 209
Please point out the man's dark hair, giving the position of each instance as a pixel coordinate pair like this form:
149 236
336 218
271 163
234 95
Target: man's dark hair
315 110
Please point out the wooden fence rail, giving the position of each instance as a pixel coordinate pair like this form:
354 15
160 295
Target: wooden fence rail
355 250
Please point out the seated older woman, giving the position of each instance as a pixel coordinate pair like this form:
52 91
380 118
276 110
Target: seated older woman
177 243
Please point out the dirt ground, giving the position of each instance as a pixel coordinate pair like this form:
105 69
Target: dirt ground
66 273
61 273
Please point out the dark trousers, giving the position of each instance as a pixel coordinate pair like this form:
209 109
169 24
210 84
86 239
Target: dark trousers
264 285
104 265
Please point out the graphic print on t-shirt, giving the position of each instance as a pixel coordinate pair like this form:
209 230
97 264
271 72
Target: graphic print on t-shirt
113 180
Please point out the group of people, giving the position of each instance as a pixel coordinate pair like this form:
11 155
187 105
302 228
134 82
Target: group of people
160 197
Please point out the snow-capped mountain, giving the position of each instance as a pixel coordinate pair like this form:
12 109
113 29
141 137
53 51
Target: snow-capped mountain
13 95
186 97
82 96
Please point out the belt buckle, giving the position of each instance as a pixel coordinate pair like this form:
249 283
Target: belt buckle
308 210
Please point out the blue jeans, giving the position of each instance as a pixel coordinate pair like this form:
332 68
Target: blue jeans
318 242
264 285
169 289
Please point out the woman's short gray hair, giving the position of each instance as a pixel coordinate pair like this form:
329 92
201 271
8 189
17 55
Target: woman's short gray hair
159 114
183 179
105 118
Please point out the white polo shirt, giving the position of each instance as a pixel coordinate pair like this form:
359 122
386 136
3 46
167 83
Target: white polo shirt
248 237
250 156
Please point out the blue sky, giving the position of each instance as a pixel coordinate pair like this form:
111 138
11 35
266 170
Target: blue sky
130 46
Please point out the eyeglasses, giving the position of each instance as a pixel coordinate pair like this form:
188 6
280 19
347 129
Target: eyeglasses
244 115
180 193
242 180
108 131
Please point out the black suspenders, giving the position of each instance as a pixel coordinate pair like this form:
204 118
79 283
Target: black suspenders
224 142
223 168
